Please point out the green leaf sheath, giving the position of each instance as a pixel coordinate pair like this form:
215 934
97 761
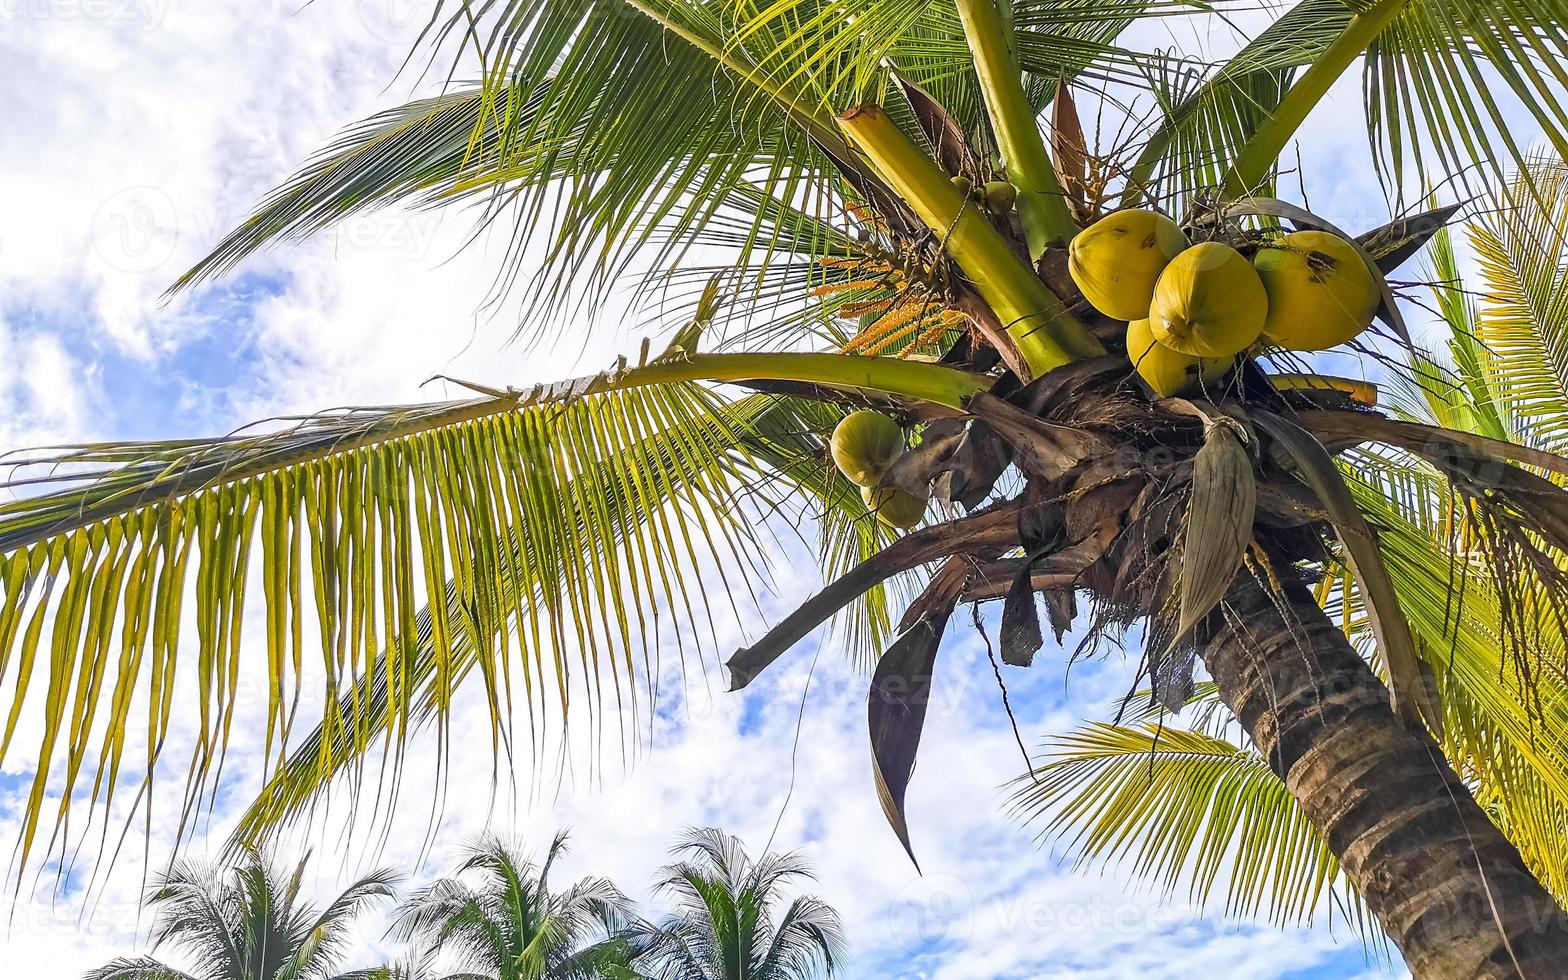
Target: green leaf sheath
1045 333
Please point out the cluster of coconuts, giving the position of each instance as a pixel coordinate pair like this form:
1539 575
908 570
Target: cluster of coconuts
865 445
1192 309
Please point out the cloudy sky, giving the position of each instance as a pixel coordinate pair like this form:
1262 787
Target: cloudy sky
134 132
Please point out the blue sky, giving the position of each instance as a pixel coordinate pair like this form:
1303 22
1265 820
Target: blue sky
161 121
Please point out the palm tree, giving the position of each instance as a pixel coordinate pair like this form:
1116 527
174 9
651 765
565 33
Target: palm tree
813 145
248 923
497 919
1200 805
723 926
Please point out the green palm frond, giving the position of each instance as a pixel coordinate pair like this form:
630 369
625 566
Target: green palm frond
1464 397
838 54
569 512
1522 325
777 435
1205 122
246 922
723 926
1431 68
1176 806
571 93
597 129
497 916
1505 703
138 968
1431 84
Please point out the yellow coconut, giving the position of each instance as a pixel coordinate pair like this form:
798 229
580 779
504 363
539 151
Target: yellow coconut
1170 372
1117 260
1321 291
865 444
1209 302
897 507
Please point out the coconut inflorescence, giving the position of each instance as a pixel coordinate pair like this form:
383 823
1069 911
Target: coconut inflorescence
1321 292
1117 260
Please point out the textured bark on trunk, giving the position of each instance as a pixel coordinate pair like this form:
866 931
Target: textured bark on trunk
1446 885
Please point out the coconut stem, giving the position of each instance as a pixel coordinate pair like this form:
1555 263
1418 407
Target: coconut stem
1258 156
933 383
1042 204
1045 333
1265 146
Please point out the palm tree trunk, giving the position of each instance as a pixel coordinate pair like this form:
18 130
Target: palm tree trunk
1444 883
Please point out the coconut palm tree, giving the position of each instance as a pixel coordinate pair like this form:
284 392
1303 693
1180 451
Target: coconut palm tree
822 153
723 926
1199 805
248 922
496 918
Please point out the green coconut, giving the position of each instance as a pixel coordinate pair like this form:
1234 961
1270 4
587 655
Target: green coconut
865 444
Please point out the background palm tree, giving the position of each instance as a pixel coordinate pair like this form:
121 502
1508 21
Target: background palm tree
814 145
724 925
247 922
497 918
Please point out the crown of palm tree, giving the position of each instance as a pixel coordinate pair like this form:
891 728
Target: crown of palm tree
724 925
247 922
497 918
1200 808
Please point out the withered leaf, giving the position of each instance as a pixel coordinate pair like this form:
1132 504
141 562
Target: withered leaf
1412 698
896 713
1219 523
1391 245
914 471
975 466
1020 634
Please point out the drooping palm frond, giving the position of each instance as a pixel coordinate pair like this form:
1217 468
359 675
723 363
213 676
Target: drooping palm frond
1432 84
776 435
1504 696
1486 621
569 513
1431 69
1186 809
1522 326
596 129
591 125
